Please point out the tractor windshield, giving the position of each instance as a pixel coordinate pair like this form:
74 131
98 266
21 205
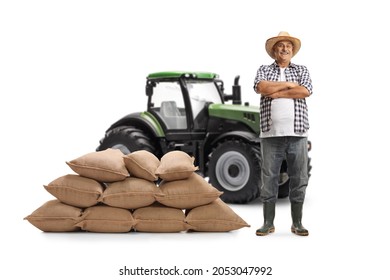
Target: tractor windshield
203 91
201 94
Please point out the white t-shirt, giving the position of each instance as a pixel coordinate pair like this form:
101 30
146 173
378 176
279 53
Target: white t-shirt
282 115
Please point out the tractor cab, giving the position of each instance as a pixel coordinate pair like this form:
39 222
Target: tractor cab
180 100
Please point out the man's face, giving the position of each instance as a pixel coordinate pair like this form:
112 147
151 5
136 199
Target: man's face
283 51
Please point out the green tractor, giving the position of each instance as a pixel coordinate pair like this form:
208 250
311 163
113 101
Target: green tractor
186 111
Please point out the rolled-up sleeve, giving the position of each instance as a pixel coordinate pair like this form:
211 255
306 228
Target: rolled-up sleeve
260 76
305 80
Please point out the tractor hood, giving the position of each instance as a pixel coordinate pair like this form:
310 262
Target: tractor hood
250 115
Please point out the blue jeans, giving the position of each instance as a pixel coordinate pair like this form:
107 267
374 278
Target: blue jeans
273 151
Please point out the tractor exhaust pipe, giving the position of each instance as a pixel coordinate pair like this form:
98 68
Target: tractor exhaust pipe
236 91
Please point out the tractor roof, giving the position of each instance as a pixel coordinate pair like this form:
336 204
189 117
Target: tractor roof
187 74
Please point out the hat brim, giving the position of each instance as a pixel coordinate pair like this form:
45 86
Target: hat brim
270 43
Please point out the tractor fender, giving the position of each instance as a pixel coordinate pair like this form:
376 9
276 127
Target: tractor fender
247 136
144 121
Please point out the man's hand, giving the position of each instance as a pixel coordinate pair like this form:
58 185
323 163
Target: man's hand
292 85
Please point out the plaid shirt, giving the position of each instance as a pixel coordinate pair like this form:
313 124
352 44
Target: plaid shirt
294 73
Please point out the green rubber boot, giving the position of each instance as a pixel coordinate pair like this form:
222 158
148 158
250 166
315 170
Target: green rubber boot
296 214
269 215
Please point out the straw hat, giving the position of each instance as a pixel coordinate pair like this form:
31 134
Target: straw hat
283 35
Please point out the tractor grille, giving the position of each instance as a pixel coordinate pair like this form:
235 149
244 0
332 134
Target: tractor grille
249 117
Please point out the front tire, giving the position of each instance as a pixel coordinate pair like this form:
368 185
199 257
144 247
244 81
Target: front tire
234 169
127 139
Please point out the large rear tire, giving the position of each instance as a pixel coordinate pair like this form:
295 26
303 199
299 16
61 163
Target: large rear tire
127 139
234 169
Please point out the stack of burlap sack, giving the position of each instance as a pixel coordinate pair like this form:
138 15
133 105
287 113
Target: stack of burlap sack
113 192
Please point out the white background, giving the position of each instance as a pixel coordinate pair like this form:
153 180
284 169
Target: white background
68 69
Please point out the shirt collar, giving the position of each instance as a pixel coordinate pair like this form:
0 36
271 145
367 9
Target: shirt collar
276 66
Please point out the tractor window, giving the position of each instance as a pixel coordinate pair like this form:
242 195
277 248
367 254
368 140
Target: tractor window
202 93
169 105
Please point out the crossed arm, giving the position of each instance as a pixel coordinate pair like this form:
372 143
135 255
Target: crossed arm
281 90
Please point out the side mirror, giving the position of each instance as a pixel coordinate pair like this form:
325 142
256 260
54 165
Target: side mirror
149 88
